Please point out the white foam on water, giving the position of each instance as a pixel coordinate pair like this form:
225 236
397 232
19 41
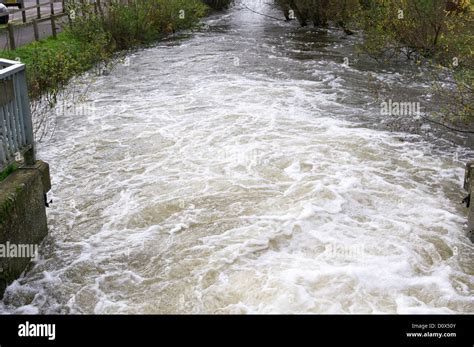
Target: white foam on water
206 186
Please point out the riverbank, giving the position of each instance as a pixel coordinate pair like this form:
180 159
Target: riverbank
97 36
436 33
51 63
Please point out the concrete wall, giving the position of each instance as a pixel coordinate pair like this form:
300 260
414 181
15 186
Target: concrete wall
22 218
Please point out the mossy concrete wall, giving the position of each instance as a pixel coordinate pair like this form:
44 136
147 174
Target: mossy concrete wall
22 217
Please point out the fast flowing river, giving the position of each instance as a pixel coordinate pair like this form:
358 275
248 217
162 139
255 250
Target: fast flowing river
245 169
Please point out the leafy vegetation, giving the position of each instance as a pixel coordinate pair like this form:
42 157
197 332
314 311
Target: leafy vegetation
139 22
52 62
95 34
218 4
7 171
435 32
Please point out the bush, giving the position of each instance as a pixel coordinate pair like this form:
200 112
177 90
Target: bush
52 62
438 32
139 22
321 12
218 4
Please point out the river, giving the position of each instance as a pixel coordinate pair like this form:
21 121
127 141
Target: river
243 168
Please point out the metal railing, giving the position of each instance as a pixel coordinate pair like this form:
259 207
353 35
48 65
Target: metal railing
16 129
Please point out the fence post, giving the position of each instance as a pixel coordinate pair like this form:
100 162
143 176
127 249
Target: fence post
101 12
53 25
35 29
23 12
51 2
83 9
30 157
38 9
11 36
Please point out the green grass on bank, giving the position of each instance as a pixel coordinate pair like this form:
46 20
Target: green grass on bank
7 171
27 53
52 62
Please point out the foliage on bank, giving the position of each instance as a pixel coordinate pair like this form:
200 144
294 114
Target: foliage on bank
218 4
95 34
438 32
7 171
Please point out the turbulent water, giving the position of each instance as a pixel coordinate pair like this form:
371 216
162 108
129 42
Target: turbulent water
243 169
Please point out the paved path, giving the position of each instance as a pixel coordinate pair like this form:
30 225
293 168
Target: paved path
45 10
25 35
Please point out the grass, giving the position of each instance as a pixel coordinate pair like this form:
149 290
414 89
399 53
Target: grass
7 171
51 63
27 53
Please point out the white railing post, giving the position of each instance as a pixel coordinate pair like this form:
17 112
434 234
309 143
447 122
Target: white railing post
16 127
